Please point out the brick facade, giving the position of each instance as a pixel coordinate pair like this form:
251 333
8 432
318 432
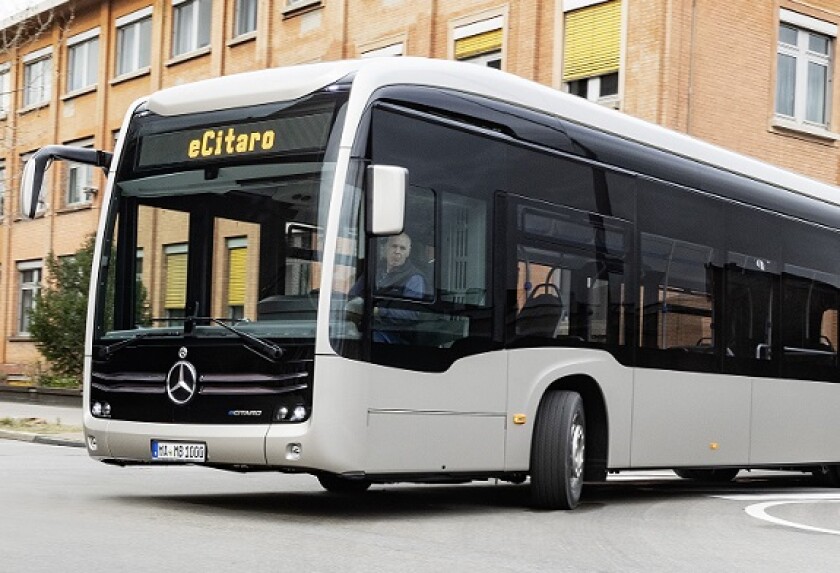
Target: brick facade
705 68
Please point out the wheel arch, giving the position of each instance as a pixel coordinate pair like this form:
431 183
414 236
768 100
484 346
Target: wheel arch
597 422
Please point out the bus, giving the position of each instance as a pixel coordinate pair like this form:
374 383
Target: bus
592 294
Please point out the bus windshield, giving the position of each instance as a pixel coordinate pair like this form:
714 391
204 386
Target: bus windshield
216 220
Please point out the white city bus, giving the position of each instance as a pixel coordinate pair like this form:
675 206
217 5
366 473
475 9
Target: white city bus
597 293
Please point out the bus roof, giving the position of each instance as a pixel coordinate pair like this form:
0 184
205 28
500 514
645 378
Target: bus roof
264 86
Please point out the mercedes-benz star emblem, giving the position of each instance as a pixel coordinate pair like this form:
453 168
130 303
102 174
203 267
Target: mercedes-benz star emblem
181 382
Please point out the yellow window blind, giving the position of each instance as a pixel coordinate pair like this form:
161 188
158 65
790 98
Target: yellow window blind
592 41
237 276
478 44
176 281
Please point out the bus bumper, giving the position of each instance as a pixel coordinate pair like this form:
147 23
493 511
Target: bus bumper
225 445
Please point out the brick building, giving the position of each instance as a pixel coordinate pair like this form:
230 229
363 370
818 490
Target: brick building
750 76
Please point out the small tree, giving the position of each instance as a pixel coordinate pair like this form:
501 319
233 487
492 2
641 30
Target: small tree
57 321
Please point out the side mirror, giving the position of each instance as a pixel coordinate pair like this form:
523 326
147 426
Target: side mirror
33 171
387 186
30 185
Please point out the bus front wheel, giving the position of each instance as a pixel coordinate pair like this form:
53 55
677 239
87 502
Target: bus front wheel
557 452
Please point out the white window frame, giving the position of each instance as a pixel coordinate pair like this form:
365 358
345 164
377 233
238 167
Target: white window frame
38 94
805 27
194 25
295 4
30 287
134 20
572 5
486 59
79 185
593 91
5 89
479 27
79 53
237 17
236 312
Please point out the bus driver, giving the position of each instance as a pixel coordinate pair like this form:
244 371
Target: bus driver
397 278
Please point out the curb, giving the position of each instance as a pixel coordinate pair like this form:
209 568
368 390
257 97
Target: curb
45 396
42 439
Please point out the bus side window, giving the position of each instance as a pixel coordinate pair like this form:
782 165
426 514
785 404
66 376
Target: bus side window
570 278
751 300
677 287
809 323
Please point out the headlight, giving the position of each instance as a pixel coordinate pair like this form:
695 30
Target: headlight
292 409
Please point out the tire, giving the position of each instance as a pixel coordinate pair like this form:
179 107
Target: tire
558 451
336 484
712 475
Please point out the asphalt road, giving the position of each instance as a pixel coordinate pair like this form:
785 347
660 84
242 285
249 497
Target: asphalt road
61 511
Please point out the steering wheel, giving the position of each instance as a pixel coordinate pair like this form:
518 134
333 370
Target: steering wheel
546 287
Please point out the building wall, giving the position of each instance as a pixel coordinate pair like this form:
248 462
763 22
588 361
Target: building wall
706 68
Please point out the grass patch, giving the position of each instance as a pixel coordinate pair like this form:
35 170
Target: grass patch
37 426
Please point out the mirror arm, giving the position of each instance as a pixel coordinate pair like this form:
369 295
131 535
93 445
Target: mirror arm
84 155
37 165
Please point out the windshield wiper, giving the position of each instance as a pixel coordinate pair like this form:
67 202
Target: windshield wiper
107 351
264 348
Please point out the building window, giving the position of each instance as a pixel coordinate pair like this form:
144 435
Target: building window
480 42
5 89
79 180
602 89
803 70
237 277
82 60
591 49
292 4
392 50
37 77
175 293
191 25
246 17
29 273
134 41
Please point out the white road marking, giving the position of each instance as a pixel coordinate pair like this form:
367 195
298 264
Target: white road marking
766 501
781 497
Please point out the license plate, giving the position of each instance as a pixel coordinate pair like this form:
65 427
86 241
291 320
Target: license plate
179 451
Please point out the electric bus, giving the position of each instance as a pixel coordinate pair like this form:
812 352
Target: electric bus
598 293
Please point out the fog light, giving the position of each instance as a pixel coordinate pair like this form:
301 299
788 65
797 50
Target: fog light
91 443
298 414
281 414
96 409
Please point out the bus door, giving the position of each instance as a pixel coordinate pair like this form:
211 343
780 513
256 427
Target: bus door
437 394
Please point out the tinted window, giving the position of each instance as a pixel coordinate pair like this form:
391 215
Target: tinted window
453 174
680 277
570 285
677 303
550 176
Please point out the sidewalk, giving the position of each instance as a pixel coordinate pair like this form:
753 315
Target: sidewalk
64 415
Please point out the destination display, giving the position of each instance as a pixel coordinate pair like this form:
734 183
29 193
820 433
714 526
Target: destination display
254 139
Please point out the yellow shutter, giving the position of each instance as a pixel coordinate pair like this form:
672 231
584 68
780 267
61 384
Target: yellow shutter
237 276
478 44
176 281
592 41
